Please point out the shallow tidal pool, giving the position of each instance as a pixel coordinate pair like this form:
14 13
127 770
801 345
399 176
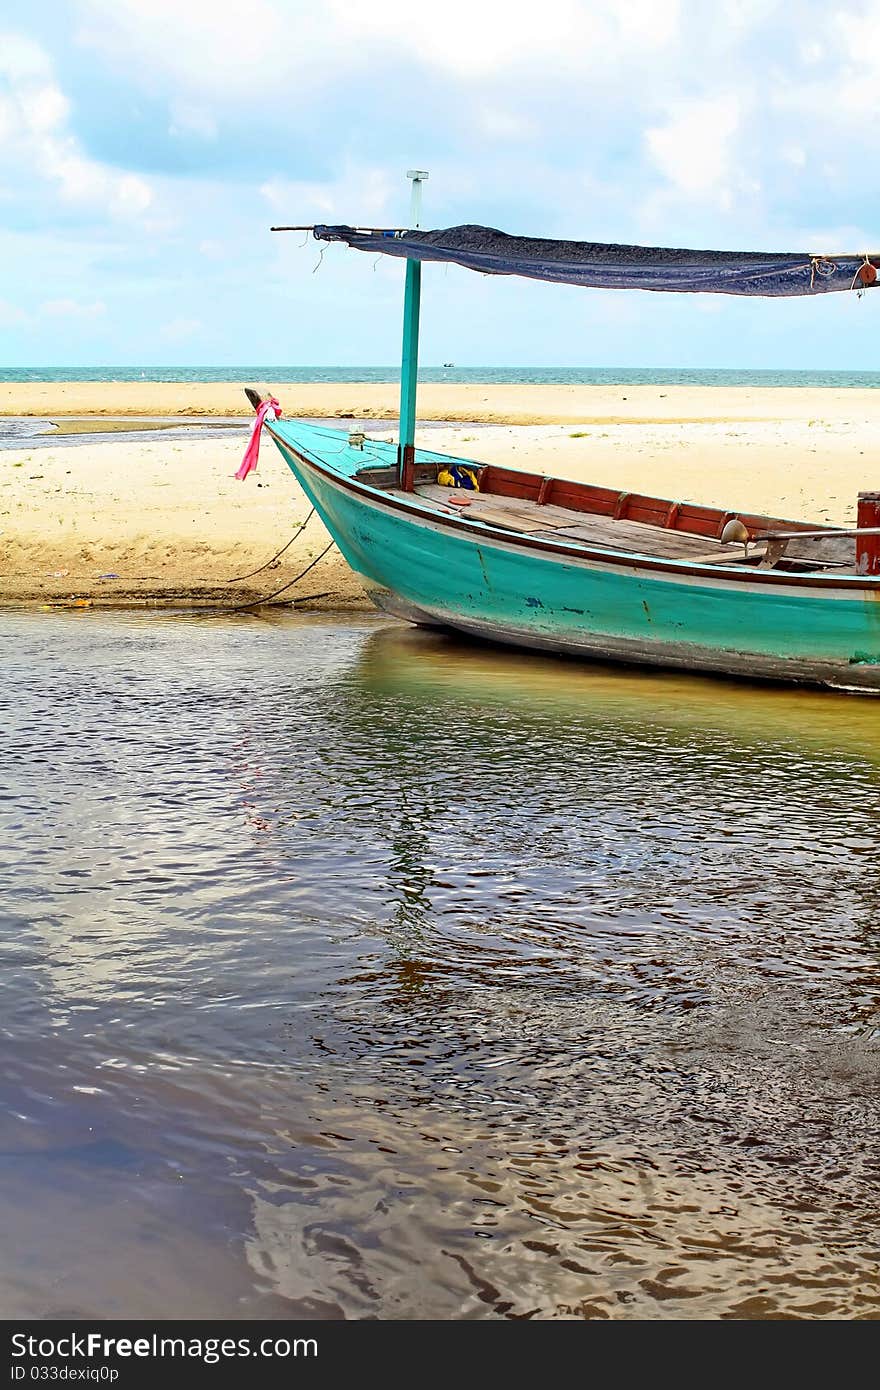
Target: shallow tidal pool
351 971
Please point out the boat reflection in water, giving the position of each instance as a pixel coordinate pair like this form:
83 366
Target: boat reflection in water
355 971
628 996
422 664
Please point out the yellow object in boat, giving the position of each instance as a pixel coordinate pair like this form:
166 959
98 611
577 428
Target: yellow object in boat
458 475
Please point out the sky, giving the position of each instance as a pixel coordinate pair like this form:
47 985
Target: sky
146 147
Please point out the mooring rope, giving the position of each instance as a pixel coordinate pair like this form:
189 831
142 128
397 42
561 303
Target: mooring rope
266 598
277 556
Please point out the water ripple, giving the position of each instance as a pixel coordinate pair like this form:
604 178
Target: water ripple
348 971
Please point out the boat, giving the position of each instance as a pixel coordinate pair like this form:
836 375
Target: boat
541 562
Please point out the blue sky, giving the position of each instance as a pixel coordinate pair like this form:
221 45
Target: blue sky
147 145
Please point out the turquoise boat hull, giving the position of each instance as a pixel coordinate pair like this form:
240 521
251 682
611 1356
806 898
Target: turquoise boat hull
431 568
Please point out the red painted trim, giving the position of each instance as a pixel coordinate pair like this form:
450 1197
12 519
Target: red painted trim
688 517
868 547
406 466
457 522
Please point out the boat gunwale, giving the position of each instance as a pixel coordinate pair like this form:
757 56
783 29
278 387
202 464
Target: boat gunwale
473 528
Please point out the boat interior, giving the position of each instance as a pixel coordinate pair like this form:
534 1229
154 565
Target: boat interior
559 509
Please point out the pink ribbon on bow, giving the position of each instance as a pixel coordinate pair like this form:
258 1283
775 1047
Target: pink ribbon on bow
252 452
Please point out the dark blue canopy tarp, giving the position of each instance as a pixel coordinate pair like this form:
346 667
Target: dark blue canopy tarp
597 266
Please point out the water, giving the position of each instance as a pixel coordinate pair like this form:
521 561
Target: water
348 971
31 432
494 376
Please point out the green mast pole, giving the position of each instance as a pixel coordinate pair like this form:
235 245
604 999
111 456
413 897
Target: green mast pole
409 365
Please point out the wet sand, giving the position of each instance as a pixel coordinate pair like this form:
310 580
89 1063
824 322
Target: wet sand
167 521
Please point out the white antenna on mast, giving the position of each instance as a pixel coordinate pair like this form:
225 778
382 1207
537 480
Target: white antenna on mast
418 177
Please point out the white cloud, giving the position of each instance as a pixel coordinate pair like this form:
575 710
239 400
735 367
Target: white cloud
811 51
212 249
830 240
189 119
795 155
22 60
360 196
499 124
35 135
43 106
695 148
633 120
73 309
218 52
477 38
176 330
200 45
11 316
52 311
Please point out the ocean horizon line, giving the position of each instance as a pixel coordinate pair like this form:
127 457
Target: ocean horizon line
451 374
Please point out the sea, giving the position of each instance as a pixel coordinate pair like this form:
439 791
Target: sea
495 376
352 971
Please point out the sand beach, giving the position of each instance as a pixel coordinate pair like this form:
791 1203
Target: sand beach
507 952
508 404
160 519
